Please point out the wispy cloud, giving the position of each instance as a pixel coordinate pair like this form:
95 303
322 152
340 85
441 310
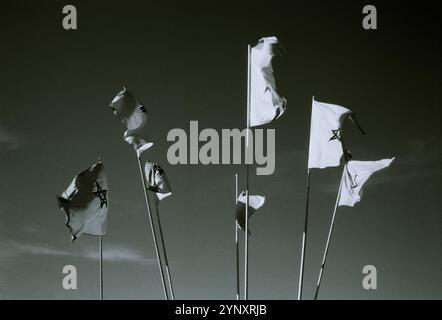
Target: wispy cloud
11 249
8 140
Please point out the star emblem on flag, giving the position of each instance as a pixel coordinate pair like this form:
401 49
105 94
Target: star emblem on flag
337 135
143 109
101 194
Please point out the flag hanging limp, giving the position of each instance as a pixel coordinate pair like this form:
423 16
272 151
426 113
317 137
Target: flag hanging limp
355 174
266 104
85 202
133 115
326 134
255 202
156 180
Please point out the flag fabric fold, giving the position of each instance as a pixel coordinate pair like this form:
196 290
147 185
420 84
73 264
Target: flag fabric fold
326 134
255 202
266 104
85 202
355 175
156 180
133 115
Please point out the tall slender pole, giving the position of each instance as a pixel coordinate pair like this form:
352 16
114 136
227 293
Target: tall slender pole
166 262
246 249
304 238
160 266
101 267
304 234
324 258
237 241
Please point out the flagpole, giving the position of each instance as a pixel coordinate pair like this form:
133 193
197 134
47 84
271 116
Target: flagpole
304 234
101 266
246 245
237 241
324 258
160 266
166 262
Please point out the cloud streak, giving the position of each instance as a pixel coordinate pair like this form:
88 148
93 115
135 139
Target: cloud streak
12 249
7 140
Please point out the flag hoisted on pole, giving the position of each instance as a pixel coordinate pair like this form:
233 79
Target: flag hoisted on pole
134 116
157 182
85 204
326 147
246 205
254 202
264 104
354 176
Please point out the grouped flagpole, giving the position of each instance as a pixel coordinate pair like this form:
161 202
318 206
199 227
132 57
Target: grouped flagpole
330 231
160 266
246 236
101 266
166 262
304 234
237 241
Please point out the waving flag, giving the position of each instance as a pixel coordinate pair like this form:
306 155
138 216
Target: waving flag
326 136
356 173
266 104
85 202
255 202
157 180
134 116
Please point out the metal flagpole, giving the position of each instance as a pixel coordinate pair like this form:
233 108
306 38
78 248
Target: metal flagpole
160 266
237 241
304 235
101 267
329 236
166 262
304 239
246 245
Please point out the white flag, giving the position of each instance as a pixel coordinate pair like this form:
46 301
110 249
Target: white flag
325 148
157 180
355 174
255 202
266 104
85 203
134 116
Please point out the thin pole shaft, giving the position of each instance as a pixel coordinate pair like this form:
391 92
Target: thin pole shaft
330 231
246 235
304 238
101 267
237 242
160 266
166 261
304 234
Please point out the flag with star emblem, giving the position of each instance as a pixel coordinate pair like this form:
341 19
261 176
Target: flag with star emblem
156 180
85 202
266 104
355 175
326 136
133 115
255 202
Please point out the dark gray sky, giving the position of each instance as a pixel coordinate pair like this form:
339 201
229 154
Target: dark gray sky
188 62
